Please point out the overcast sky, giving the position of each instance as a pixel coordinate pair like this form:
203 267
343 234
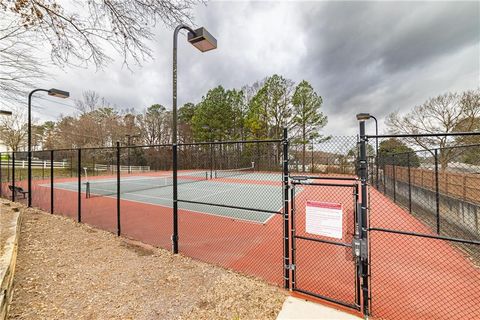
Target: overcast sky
375 57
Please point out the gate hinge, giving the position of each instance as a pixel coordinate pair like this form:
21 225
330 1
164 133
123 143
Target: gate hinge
290 266
360 248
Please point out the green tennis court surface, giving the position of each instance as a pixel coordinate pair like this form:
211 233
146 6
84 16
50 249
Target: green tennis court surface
198 187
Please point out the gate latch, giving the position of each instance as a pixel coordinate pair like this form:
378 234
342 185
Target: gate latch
360 249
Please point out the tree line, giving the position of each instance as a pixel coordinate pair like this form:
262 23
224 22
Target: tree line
258 111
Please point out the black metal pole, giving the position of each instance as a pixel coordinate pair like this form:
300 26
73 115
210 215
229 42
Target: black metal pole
286 247
384 177
292 235
211 161
29 155
13 176
118 189
394 180
364 222
1 178
8 167
376 148
312 156
409 184
128 153
51 180
437 194
175 201
29 150
174 137
79 172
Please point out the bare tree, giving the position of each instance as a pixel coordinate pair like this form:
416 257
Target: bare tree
13 130
78 33
89 102
19 68
442 114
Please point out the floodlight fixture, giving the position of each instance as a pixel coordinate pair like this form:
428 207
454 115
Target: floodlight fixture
363 116
202 39
58 93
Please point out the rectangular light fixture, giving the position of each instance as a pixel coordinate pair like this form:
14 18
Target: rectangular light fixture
363 116
58 93
202 40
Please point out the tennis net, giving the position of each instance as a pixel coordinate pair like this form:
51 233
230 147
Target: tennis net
234 172
104 188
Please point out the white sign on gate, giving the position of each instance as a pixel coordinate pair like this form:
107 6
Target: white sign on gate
324 219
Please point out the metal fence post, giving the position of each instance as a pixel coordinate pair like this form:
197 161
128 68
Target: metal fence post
363 172
437 194
79 175
8 168
371 169
376 166
292 234
51 181
13 176
409 184
286 244
394 180
384 177
29 178
1 178
175 200
118 188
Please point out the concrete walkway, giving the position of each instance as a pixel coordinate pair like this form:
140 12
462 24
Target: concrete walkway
295 308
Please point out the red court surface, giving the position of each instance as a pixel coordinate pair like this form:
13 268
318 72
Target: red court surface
411 277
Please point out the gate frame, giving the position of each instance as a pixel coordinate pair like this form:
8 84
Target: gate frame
303 180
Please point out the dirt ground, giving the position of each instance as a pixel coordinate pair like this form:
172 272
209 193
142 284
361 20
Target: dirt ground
67 270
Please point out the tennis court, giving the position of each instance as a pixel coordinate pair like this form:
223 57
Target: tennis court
253 190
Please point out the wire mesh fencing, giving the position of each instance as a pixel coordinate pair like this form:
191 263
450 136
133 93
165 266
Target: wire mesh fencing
64 184
146 183
332 155
6 165
41 171
424 230
231 205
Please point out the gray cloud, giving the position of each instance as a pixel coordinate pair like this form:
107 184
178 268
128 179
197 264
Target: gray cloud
360 56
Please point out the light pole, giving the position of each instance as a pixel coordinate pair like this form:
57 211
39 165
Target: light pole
367 116
51 92
203 41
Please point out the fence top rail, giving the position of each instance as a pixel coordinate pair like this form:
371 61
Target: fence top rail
230 142
300 177
104 148
424 135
